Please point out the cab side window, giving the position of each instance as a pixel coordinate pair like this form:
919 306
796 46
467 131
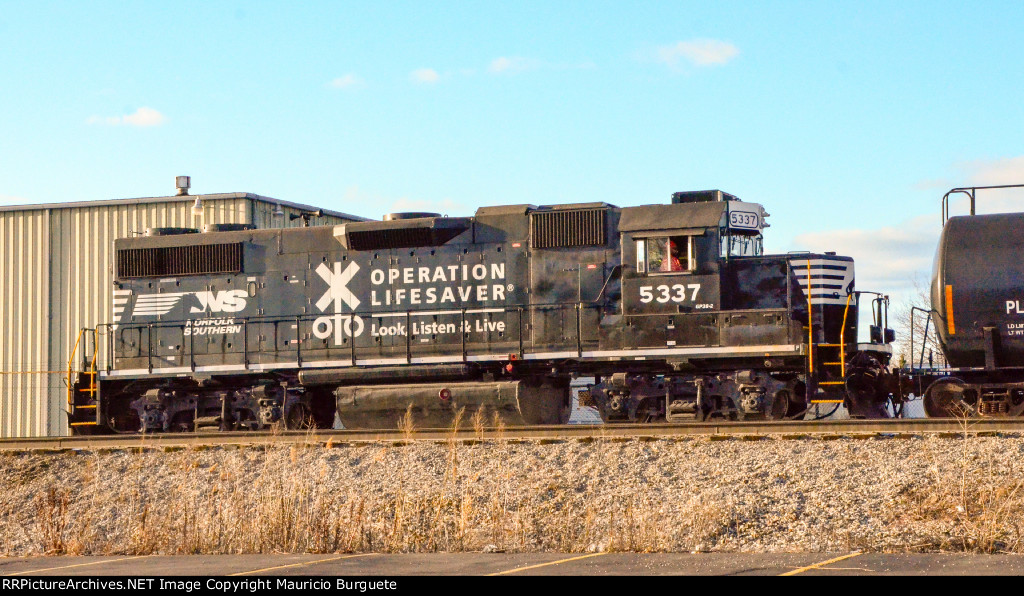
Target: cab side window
665 254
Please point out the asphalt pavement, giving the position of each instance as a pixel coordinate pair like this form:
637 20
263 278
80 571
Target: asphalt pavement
501 564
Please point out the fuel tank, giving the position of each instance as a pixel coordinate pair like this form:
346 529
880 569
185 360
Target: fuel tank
434 405
977 290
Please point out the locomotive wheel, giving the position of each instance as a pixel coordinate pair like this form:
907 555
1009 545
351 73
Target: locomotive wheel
785 405
944 399
299 418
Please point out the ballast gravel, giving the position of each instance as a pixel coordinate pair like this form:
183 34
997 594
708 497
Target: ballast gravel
923 493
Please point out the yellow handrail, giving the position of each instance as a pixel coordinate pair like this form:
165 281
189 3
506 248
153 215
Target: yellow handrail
71 360
71 367
842 336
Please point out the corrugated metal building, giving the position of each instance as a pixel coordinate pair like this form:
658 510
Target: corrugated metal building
56 278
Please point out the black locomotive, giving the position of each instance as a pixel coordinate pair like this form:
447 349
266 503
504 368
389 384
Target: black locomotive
672 309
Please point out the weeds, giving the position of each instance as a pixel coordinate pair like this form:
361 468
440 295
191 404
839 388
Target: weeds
479 422
980 504
455 497
452 468
407 425
52 515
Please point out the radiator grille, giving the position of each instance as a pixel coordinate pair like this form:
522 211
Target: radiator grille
559 229
201 259
394 238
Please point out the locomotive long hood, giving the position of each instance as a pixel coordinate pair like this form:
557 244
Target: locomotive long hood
404 233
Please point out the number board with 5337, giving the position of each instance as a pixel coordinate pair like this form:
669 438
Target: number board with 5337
680 293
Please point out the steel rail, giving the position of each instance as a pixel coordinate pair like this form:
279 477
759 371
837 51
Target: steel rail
746 430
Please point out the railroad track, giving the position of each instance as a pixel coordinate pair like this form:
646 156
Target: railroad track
724 430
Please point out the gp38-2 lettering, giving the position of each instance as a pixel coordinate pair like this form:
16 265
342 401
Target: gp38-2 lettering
666 293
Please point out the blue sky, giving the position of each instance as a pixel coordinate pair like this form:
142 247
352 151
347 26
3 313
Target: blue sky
848 120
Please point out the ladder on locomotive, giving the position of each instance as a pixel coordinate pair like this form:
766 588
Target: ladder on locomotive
826 362
83 386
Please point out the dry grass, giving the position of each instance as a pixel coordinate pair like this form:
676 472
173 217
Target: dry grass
603 495
978 505
407 424
479 422
211 502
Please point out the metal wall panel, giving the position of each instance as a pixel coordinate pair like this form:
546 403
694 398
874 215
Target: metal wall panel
24 293
56 278
263 216
84 274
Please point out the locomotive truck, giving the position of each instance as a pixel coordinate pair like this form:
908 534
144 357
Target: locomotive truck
673 310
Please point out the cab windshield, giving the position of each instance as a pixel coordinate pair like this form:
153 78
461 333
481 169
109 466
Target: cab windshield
742 245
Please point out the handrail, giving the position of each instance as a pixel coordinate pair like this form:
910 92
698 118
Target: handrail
842 337
263 323
85 333
151 328
924 340
970 191
912 328
71 360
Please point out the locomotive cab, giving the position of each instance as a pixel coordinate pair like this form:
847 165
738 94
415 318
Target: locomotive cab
676 259
746 335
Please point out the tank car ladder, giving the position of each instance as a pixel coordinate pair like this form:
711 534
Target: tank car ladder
831 360
83 386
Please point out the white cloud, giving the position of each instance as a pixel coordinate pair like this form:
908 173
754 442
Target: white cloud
982 172
510 65
886 259
425 75
993 172
897 260
894 260
698 52
347 82
889 258
142 117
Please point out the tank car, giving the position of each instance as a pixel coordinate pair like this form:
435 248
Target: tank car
977 302
673 310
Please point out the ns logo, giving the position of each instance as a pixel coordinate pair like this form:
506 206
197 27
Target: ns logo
223 301
148 305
